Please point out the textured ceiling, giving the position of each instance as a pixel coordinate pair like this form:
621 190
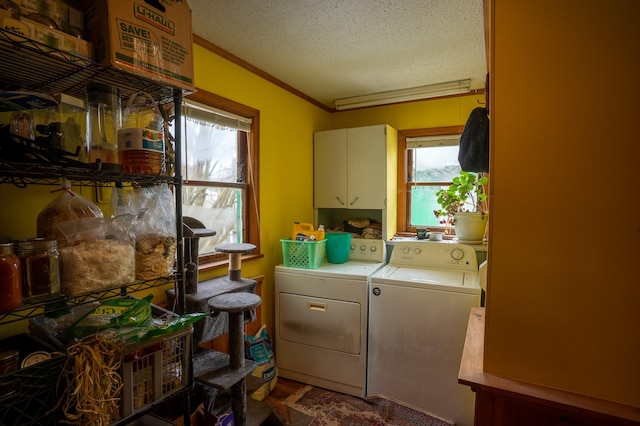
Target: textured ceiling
331 49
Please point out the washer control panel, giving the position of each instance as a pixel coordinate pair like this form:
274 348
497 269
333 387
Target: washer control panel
434 255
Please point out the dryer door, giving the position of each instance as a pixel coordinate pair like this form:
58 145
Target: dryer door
324 323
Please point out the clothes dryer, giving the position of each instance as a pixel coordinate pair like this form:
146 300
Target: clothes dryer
321 319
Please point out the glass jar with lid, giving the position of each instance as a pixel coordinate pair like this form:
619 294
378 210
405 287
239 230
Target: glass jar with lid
10 279
40 267
9 361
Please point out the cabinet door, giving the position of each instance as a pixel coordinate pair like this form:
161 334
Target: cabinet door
367 167
330 169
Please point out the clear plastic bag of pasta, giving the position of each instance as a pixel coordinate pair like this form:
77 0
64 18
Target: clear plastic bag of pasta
155 231
99 254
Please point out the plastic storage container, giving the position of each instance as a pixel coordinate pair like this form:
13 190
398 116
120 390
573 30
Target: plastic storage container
155 369
338 246
104 117
141 140
150 370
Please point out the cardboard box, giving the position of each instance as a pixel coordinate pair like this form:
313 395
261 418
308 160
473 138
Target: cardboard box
137 37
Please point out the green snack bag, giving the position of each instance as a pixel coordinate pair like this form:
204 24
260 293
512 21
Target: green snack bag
113 313
160 327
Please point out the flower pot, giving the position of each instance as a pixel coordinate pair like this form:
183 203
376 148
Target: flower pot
470 226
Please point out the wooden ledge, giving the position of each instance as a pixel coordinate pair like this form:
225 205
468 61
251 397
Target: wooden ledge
472 374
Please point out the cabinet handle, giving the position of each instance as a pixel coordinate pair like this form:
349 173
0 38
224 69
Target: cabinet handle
354 201
341 202
313 306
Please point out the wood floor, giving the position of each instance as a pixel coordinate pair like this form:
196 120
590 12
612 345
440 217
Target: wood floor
284 388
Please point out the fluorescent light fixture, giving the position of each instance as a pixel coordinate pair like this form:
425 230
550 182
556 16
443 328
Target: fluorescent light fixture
404 95
429 141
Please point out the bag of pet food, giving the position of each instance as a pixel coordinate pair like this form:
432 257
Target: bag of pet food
259 348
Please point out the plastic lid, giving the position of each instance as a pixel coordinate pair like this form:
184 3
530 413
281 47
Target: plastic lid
34 358
140 101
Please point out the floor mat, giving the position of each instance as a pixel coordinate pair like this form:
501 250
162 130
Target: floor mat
312 406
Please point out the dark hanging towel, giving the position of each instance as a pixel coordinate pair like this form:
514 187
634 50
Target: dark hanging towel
474 142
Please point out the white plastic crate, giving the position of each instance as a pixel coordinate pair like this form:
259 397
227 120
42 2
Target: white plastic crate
154 370
150 370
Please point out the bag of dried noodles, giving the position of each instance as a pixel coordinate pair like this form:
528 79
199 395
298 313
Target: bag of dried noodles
100 254
155 232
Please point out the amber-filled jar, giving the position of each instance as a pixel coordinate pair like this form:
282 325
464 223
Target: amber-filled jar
40 267
9 361
10 279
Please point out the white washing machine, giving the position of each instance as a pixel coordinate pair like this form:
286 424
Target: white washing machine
418 313
321 319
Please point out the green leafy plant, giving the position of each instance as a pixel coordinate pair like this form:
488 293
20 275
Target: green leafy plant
465 194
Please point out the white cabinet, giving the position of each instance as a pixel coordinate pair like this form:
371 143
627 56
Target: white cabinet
355 168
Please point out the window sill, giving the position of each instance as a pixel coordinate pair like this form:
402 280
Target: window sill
448 239
219 264
409 235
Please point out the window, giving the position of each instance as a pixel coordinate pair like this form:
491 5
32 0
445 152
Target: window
220 170
433 163
428 161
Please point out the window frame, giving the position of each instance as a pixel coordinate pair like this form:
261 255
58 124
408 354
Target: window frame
251 215
404 227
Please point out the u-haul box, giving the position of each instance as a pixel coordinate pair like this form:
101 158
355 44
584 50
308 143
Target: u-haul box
150 38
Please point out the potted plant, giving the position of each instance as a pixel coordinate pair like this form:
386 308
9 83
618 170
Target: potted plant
462 206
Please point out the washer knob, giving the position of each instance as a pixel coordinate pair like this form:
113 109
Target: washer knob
417 250
457 254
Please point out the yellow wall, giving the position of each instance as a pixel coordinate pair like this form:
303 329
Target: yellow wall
562 306
413 115
564 246
286 149
286 158
287 124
